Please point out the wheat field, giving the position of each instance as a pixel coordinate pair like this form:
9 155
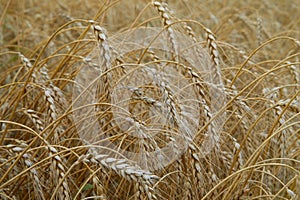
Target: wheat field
140 99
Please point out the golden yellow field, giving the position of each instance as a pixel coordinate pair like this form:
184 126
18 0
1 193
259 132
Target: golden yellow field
140 99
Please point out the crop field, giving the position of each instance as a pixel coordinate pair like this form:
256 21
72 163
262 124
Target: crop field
141 99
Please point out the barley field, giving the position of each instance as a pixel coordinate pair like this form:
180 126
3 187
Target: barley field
141 99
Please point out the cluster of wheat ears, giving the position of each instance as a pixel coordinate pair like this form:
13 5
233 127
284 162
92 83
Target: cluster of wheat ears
192 100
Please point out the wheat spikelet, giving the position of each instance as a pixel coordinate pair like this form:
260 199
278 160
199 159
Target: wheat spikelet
169 100
49 96
27 158
103 46
213 50
295 72
259 30
144 179
105 90
188 29
167 21
58 175
52 93
216 68
56 166
27 64
237 147
51 111
197 170
37 121
54 98
45 80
